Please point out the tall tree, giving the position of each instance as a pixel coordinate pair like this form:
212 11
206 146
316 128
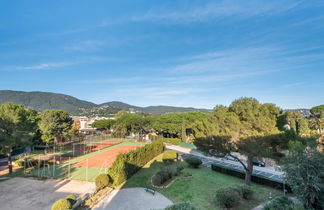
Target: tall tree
18 125
54 125
247 127
304 171
130 123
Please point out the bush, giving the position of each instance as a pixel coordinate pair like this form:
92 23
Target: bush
157 180
180 206
227 197
165 175
169 156
72 199
247 192
102 181
193 162
62 204
282 203
128 164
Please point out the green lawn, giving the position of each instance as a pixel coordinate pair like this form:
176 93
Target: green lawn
200 189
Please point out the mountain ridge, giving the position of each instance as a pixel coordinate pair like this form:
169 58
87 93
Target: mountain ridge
39 101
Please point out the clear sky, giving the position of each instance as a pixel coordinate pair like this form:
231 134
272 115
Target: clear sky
182 53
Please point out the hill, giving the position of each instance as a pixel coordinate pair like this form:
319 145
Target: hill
46 100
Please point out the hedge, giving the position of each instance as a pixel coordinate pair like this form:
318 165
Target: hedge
255 178
175 141
62 204
169 156
128 164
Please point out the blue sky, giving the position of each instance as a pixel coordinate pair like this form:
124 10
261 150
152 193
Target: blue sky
181 53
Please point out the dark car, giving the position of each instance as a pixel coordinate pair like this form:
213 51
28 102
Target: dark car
257 162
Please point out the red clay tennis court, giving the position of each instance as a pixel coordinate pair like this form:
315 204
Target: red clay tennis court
106 159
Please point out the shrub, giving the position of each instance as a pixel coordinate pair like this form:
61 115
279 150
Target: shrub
128 164
247 192
72 199
102 181
169 156
165 175
193 162
282 203
62 204
227 197
157 180
180 206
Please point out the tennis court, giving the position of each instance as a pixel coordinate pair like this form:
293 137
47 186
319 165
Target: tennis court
88 166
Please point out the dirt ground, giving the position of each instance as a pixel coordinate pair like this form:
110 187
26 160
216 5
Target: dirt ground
31 194
107 158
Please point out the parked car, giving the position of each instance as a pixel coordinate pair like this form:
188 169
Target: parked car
257 162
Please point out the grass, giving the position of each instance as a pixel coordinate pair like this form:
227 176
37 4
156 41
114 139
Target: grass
200 189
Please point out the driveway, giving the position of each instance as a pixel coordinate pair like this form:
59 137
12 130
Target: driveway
133 198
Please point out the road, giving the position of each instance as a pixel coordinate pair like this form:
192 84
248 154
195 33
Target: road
268 172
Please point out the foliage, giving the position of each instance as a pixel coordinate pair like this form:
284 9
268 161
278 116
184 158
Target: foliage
62 204
72 199
102 181
55 125
18 125
181 206
128 164
174 122
169 156
247 192
317 109
305 174
103 124
282 203
193 161
247 127
227 197
130 123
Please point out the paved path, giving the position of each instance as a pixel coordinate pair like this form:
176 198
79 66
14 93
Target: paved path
31 194
133 198
268 172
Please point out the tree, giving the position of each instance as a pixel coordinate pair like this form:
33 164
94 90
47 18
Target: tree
17 128
130 123
317 109
54 125
247 127
103 124
120 114
304 171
